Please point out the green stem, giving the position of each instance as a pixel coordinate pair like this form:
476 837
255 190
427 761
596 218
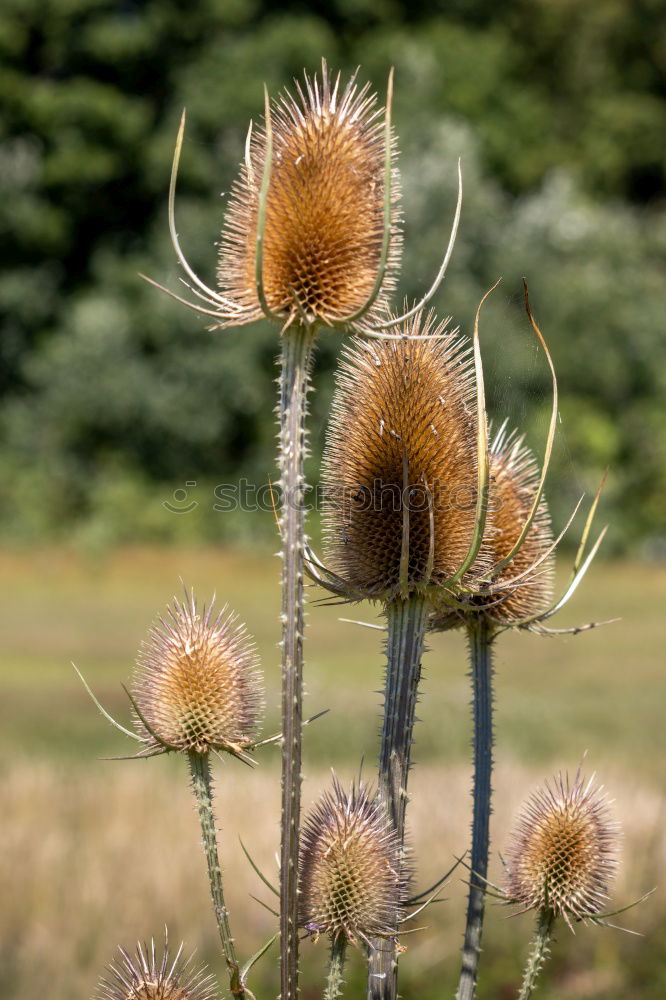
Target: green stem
201 782
539 952
335 981
481 671
295 360
404 649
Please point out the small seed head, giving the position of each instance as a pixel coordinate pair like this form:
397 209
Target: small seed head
145 976
563 850
324 211
197 682
402 432
352 880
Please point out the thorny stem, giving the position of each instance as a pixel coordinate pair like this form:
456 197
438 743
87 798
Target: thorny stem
481 671
335 981
297 344
539 952
201 783
404 649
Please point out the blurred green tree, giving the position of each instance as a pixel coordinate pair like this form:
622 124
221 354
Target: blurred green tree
113 396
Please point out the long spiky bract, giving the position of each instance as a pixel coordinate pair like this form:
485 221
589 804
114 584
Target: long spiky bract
400 475
196 689
147 976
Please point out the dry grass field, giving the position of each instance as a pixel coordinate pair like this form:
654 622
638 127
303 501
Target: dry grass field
95 853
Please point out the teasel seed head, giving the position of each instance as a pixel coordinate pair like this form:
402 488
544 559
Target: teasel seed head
145 976
513 479
514 476
563 850
197 684
352 878
403 434
324 209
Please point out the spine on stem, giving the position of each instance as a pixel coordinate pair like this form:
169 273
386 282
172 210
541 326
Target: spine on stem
407 620
297 343
539 952
335 981
481 672
201 783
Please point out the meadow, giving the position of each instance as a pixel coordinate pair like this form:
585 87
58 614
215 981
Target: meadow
94 853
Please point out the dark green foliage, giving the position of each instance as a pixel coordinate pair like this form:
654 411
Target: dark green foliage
114 396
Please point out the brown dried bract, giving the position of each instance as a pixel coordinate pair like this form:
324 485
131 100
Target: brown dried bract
324 211
351 878
563 851
402 433
197 682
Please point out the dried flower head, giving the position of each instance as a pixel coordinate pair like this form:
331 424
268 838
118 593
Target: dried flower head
400 463
324 209
563 850
352 880
144 976
514 478
197 684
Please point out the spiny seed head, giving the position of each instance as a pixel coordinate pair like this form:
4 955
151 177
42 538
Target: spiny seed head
145 976
197 682
402 434
563 850
324 219
514 477
352 880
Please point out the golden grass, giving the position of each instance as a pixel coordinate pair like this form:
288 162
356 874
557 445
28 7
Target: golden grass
109 853
93 854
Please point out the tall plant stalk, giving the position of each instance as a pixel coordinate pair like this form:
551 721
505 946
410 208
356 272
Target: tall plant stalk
201 783
295 360
480 637
407 619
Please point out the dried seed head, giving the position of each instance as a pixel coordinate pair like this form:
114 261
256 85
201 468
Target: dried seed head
324 211
197 683
514 477
144 976
563 851
351 876
402 435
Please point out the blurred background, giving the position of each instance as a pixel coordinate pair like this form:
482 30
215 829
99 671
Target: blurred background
120 417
